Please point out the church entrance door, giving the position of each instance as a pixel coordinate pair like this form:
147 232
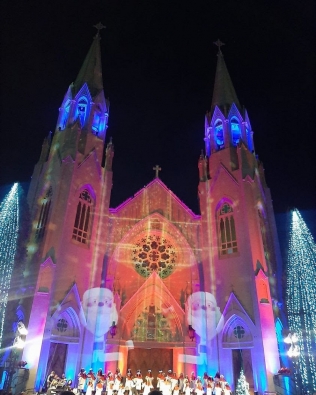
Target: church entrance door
242 359
57 358
150 358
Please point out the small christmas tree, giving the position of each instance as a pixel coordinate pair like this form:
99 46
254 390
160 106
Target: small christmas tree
242 385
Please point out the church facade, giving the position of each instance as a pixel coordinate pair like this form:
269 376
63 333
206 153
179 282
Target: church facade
149 284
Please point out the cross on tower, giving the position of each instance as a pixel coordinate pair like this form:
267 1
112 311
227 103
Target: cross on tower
157 169
99 27
219 44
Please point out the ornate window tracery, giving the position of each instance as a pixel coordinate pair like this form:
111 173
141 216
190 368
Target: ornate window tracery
227 231
154 253
82 225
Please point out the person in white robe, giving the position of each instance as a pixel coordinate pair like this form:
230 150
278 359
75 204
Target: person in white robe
148 383
138 381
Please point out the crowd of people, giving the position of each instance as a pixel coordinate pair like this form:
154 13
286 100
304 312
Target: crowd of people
168 383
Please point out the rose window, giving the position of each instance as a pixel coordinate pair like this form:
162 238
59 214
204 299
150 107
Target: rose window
154 254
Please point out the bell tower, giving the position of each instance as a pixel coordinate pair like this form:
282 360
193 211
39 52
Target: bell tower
240 247
69 201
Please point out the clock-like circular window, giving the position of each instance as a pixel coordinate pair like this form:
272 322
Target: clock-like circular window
154 254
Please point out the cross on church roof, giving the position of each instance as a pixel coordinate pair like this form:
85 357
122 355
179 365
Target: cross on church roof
157 169
219 44
99 27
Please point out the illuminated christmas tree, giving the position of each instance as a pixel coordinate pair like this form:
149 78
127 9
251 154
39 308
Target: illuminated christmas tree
301 300
9 227
242 385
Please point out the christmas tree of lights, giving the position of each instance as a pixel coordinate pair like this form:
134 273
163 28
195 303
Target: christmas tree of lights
9 227
301 300
242 385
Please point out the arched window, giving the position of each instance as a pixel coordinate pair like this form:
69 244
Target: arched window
219 134
263 231
235 131
227 231
82 110
82 226
44 211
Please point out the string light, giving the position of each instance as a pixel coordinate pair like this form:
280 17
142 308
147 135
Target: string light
9 227
301 297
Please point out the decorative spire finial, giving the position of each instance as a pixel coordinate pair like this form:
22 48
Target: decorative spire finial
219 44
99 27
157 169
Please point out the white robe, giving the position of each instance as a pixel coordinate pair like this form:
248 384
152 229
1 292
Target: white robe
218 391
81 383
174 382
109 386
117 383
166 387
148 386
98 390
138 383
129 384
187 390
90 388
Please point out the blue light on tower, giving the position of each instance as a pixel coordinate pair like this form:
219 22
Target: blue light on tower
9 227
219 134
235 131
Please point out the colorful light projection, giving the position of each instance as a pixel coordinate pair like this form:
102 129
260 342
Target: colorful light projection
100 313
301 296
9 227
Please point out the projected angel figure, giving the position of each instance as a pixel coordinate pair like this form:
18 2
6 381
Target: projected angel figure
100 312
203 314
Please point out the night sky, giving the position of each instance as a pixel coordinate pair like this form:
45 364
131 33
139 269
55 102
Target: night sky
158 72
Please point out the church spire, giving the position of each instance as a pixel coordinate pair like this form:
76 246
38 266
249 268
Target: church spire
91 69
224 94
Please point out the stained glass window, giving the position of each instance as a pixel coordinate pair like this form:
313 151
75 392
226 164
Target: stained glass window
82 225
154 253
227 230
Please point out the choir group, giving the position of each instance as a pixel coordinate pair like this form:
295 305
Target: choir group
136 384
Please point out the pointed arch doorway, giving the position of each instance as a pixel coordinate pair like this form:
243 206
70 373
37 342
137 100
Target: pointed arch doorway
154 359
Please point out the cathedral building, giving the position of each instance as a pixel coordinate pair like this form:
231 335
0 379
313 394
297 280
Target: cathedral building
150 284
